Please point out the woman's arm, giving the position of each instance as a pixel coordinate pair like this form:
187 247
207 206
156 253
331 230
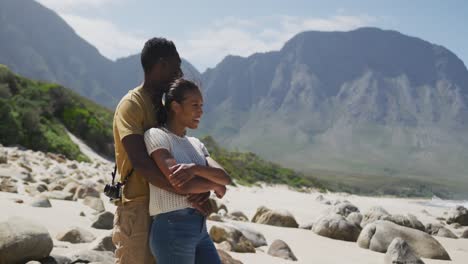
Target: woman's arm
164 160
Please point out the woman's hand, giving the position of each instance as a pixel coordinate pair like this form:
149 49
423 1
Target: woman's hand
181 174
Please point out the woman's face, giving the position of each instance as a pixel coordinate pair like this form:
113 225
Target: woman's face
190 111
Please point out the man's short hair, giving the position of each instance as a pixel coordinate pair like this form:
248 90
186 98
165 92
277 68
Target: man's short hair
154 50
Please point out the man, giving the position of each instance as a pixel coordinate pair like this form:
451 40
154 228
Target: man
133 116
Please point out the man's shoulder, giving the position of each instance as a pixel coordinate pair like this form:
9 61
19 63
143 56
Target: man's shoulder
134 97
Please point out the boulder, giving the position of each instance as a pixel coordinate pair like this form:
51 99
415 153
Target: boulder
373 214
444 232
355 218
238 242
433 228
84 191
104 220
94 203
76 235
59 195
3 157
237 216
71 187
464 234
307 226
335 226
215 217
87 256
226 258
22 240
274 218
256 238
103 243
377 236
280 249
40 201
400 252
344 209
8 185
459 215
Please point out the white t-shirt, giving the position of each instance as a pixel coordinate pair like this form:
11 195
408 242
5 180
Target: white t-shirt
185 150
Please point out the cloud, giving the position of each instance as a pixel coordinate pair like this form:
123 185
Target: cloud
111 41
242 37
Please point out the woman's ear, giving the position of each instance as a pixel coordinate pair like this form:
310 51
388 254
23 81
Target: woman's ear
176 107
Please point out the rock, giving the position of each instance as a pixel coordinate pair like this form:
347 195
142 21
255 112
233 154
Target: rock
335 226
215 217
377 236
71 187
76 235
238 216
59 195
433 228
82 214
256 238
224 246
217 206
464 234
40 201
280 249
8 185
84 191
239 243
319 198
104 220
355 218
409 221
55 186
3 157
274 218
95 203
373 214
401 253
103 243
344 209
379 213
18 201
444 232
87 256
57 157
458 215
56 259
307 226
22 240
226 258
456 225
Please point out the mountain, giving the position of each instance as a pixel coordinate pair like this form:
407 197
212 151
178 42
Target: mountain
36 43
38 115
368 102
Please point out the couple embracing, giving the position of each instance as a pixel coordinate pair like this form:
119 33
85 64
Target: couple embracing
167 175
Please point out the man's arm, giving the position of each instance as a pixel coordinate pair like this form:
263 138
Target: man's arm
143 164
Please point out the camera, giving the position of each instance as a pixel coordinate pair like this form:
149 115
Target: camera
113 191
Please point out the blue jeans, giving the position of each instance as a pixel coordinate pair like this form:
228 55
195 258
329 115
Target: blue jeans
180 237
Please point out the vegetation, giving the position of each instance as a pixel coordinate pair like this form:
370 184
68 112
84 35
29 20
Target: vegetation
247 168
37 114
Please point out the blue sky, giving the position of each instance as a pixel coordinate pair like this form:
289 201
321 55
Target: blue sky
206 31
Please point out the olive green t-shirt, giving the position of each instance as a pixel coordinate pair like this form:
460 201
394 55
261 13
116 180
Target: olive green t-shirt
134 114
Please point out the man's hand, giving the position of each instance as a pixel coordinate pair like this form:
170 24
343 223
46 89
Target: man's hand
181 174
198 198
220 191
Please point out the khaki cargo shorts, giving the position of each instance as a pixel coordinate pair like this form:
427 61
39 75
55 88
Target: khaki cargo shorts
131 234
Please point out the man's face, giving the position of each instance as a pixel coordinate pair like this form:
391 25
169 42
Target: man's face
170 69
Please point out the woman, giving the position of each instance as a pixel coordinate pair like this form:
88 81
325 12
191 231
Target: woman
178 231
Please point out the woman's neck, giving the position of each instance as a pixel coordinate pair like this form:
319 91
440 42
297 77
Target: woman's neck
176 128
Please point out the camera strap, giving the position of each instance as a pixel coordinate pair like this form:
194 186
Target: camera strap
126 177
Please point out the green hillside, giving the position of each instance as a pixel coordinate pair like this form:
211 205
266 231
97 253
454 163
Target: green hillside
36 115
248 168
